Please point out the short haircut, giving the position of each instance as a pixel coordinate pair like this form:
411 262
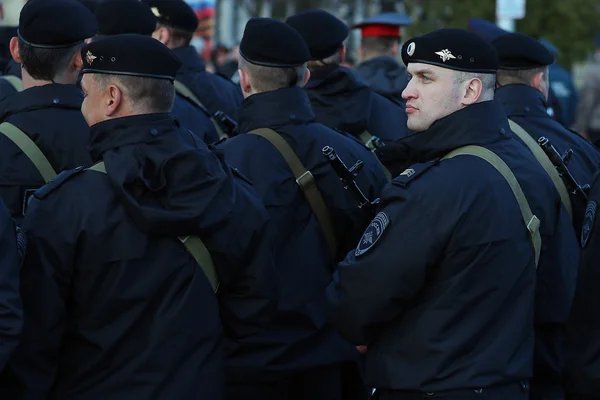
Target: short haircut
330 61
378 45
266 79
488 82
523 76
145 95
46 64
180 38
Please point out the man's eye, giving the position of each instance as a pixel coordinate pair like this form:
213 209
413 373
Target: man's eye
427 79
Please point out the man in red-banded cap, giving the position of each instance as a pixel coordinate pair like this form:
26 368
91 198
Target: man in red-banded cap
379 44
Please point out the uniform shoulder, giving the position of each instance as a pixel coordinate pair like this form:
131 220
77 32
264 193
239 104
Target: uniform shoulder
60 180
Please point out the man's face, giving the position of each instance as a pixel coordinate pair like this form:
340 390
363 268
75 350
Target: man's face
431 94
92 107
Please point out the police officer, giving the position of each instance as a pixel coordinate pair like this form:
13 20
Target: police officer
339 99
132 16
441 285
583 333
10 300
522 87
379 43
46 132
313 221
115 306
177 23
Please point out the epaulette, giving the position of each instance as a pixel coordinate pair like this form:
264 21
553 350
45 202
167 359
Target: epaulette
412 173
58 180
236 172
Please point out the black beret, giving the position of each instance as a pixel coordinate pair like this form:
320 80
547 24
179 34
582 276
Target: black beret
125 16
174 13
323 32
456 49
55 24
518 51
272 43
130 54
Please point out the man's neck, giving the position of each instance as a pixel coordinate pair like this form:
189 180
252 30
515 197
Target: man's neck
29 82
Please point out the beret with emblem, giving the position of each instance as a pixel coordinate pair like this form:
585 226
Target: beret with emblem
517 51
272 43
130 54
55 24
456 49
323 32
174 13
124 16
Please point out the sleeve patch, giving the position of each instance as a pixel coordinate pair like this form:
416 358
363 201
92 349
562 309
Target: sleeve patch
372 234
588 222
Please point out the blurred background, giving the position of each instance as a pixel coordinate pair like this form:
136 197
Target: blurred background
573 26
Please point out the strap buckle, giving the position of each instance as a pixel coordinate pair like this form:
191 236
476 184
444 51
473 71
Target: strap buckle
306 180
534 224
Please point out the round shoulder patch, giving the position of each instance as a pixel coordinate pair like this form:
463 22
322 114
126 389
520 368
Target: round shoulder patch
588 222
372 233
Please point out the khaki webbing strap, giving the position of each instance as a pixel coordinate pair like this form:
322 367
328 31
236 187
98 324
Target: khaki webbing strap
30 149
367 140
307 183
15 81
193 245
545 162
187 93
531 221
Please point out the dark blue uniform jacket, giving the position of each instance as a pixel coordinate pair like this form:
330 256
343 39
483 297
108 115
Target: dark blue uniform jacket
51 116
195 119
11 311
6 89
385 76
441 286
583 333
526 106
298 337
341 101
115 307
214 91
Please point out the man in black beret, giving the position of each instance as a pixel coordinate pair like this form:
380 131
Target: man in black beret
441 286
177 23
116 307
314 221
43 131
339 99
523 90
133 16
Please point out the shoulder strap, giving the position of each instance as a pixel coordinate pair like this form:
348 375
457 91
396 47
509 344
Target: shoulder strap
15 81
307 183
531 221
187 93
30 149
545 162
193 245
367 140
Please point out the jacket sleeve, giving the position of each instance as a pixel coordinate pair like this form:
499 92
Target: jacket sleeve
45 279
11 312
373 285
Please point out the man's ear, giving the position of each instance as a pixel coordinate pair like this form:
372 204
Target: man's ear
342 53
162 34
245 84
14 49
77 62
114 100
472 91
306 77
395 49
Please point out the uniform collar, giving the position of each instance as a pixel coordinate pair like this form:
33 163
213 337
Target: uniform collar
190 59
273 109
119 132
478 124
53 95
522 100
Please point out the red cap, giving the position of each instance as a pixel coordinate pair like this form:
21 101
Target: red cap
380 30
